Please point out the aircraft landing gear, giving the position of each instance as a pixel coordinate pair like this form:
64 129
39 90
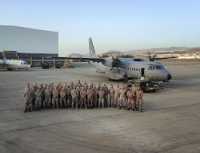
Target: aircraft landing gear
125 78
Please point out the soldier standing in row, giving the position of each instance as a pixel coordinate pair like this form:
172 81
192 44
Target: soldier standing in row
68 95
63 97
112 96
101 94
122 98
38 98
28 98
55 97
78 95
90 97
139 100
95 97
129 99
117 95
83 98
47 97
74 97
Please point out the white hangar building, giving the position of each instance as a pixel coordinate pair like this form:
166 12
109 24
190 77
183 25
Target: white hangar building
28 40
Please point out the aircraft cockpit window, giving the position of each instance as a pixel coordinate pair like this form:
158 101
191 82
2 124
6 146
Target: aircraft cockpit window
23 62
155 67
158 67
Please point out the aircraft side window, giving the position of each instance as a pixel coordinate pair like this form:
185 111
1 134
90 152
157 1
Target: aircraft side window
150 67
157 67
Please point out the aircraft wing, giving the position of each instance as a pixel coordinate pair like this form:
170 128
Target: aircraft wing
162 58
82 59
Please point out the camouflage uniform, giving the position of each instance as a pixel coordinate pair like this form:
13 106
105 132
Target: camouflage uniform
55 98
28 98
130 100
83 98
89 97
106 92
78 91
116 96
139 101
74 97
134 102
63 98
112 96
47 97
101 94
122 98
95 97
38 98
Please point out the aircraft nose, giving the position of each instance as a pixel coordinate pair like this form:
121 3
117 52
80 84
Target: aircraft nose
169 77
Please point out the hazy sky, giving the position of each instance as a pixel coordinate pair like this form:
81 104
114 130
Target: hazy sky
113 24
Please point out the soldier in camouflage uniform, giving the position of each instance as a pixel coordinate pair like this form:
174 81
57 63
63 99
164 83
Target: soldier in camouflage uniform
116 96
112 96
74 97
38 98
101 94
95 96
55 97
83 98
47 96
28 99
139 99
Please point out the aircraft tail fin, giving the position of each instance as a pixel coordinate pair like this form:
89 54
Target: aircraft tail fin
92 52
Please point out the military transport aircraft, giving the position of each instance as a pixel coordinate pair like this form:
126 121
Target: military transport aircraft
126 68
14 64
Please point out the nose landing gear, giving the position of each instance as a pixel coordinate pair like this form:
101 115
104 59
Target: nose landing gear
146 86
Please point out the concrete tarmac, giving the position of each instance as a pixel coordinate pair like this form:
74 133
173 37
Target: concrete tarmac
169 124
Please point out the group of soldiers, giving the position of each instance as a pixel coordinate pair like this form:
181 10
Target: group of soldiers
79 94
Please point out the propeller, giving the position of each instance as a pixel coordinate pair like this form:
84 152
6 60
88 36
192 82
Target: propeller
151 56
116 62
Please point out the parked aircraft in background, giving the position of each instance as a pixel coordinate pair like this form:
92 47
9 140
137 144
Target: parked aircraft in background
14 64
115 68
